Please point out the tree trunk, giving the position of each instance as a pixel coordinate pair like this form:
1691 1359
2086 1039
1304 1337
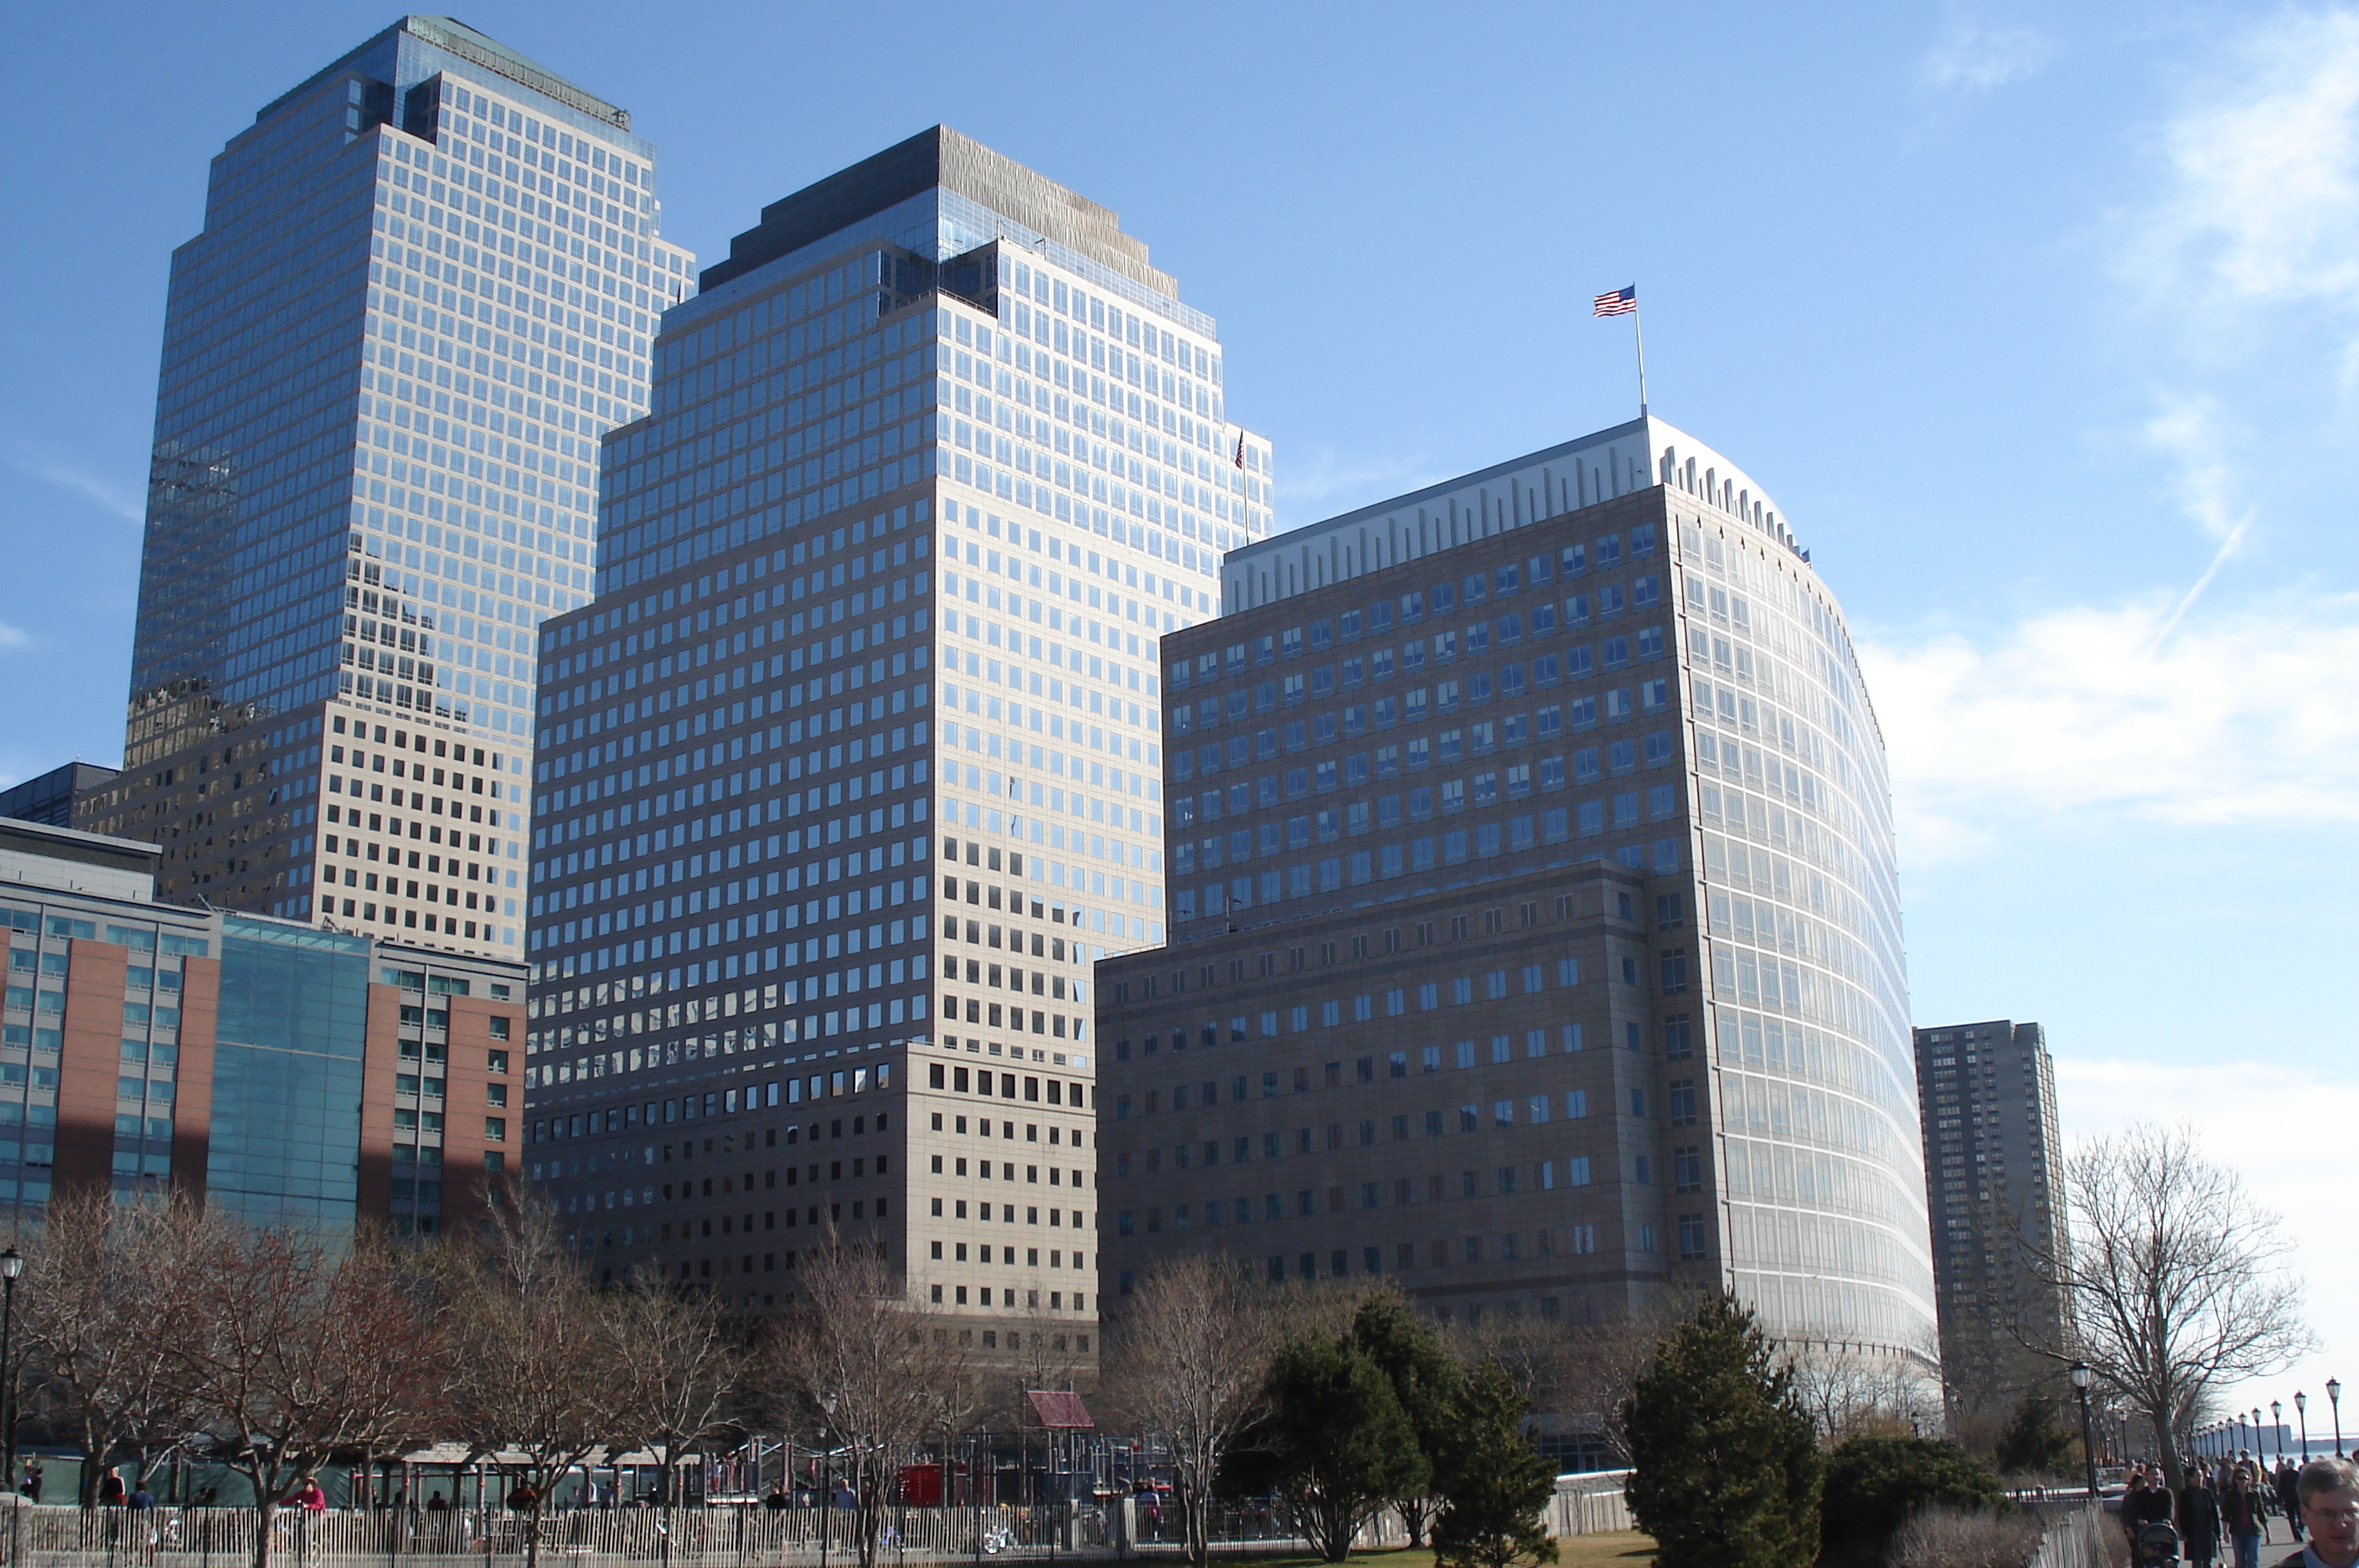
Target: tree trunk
1195 1521
1330 1529
2167 1450
531 1529
267 1507
867 1510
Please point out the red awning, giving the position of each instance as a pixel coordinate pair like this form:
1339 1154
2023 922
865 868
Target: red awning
1060 1411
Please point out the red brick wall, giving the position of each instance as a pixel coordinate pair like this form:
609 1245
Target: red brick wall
89 1064
374 1190
193 1107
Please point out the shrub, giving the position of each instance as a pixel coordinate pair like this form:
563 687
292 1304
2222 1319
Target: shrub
1873 1483
1941 1537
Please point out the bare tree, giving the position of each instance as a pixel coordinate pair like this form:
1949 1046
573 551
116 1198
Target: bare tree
2175 1276
1189 1355
1860 1392
530 1344
858 1354
1591 1372
101 1330
293 1355
674 1365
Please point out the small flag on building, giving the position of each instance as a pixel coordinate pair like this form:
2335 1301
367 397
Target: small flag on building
1620 303
1241 450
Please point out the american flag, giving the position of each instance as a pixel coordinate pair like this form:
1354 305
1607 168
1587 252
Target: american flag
1620 303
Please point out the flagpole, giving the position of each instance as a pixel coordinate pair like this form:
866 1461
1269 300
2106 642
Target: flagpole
1639 332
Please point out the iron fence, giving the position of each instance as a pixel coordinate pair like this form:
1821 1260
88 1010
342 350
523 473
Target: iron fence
56 1536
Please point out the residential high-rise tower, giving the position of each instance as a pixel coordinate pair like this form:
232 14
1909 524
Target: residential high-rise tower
424 290
1994 1170
1536 938
854 766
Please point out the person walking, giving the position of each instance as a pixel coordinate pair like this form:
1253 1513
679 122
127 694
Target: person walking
2199 1519
2241 1515
34 1475
2151 1504
2288 1484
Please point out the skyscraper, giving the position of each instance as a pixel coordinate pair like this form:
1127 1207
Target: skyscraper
1535 941
854 766
1993 1162
424 290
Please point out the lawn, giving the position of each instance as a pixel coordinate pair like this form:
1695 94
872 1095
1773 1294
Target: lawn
1620 1549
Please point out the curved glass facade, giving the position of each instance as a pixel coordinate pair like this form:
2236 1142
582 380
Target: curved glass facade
1815 1089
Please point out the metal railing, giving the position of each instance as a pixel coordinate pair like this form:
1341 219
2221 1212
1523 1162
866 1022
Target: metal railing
56 1536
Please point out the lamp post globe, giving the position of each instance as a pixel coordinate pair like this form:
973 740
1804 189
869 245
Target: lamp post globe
2080 1379
12 1264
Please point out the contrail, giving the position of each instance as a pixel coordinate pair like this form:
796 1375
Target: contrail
2227 549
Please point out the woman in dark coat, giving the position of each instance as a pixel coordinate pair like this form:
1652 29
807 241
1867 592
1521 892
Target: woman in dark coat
2199 1519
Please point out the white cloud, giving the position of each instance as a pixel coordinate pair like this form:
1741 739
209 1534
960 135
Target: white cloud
1318 485
2227 721
13 636
109 496
2261 190
1971 57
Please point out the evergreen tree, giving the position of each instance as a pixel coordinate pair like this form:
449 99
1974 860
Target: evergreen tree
1334 1446
1494 1482
2034 1444
1726 1469
1425 1378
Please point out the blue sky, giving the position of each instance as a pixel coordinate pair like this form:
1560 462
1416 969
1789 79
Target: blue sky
2042 323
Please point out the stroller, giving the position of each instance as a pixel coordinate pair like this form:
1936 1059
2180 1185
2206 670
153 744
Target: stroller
2157 1545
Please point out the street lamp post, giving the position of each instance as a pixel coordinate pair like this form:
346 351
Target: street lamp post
12 1263
2276 1425
2334 1397
2301 1414
827 1479
2088 1443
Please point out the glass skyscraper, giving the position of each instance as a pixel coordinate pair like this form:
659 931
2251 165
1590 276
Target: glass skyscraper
854 766
425 289
1535 932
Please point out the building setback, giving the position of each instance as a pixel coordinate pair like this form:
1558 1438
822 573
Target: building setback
424 290
853 768
1534 934
1994 1165
50 798
280 1072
